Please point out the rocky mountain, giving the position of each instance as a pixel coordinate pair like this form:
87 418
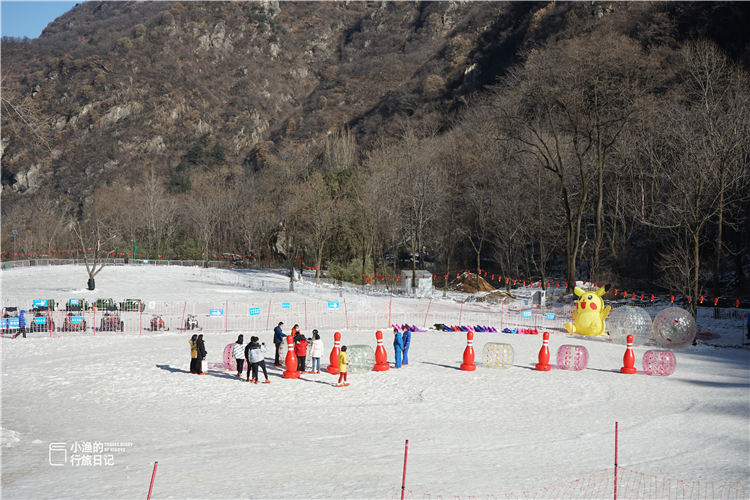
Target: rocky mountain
121 88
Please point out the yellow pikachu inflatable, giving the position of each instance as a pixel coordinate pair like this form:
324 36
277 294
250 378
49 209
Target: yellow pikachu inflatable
589 313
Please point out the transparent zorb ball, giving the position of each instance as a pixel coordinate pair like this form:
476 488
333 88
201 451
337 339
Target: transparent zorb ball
360 358
627 320
497 355
674 328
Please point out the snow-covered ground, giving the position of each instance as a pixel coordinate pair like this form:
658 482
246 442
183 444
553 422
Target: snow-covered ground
484 432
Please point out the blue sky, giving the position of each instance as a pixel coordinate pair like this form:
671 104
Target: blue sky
29 18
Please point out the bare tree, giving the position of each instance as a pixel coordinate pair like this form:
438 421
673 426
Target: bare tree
698 154
93 255
340 152
451 163
258 220
420 189
319 214
157 210
478 188
680 275
718 92
287 167
377 199
204 209
568 106
543 137
113 210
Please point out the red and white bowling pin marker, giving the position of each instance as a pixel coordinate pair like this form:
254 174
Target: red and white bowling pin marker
381 357
543 365
468 364
333 368
628 360
291 359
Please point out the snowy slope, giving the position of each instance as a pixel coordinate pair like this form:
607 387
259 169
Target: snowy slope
470 433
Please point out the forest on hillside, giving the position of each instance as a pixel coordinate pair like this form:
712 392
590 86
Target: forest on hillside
605 141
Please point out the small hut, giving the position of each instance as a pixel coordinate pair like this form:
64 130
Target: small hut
421 286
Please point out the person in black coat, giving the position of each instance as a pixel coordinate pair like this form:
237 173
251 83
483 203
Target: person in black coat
201 354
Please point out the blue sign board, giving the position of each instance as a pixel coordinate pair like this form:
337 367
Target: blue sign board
75 302
285 305
254 311
333 305
3 323
39 303
526 314
551 316
10 323
216 312
76 320
41 320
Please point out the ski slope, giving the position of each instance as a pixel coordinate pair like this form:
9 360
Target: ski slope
484 432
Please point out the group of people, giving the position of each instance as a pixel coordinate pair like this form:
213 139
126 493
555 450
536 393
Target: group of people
301 345
253 354
198 355
401 343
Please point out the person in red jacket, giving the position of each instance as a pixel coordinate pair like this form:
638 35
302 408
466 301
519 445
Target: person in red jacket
300 349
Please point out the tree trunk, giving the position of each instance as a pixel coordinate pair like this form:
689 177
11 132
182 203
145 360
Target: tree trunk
696 276
719 228
413 254
319 261
599 225
364 259
741 278
479 264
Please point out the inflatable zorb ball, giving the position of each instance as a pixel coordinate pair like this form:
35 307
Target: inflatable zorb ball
628 320
674 328
660 363
572 357
360 358
229 362
497 355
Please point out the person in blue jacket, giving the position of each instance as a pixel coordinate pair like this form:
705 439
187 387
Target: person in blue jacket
406 337
278 338
398 346
21 325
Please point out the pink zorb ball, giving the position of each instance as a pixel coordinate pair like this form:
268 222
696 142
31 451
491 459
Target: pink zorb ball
660 363
229 362
572 357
